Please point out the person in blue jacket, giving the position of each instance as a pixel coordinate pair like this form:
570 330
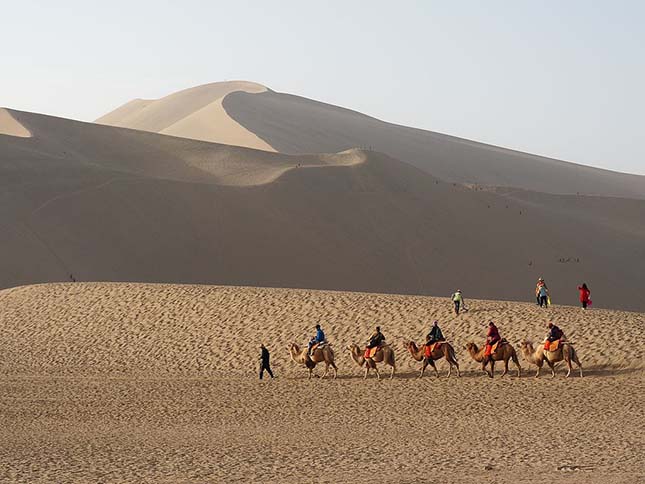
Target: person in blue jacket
319 338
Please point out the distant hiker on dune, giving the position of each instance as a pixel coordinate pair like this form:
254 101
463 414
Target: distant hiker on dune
585 294
264 361
542 293
458 300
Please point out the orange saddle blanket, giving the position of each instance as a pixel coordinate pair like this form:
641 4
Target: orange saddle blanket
552 345
430 348
370 352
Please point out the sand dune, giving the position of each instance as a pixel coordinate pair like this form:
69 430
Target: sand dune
104 203
296 125
10 127
195 113
157 383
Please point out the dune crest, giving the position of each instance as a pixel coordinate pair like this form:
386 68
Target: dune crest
11 127
196 113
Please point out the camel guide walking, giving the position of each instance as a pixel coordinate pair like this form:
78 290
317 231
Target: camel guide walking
264 362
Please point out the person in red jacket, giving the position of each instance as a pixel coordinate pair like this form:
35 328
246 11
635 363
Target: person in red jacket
584 295
492 337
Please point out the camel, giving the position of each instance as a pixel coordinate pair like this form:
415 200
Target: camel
324 354
504 351
384 354
538 356
444 350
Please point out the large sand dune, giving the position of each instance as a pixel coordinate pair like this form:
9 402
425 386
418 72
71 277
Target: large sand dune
193 113
103 203
157 383
293 124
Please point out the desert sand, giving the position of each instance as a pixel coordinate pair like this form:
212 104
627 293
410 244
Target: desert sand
97 202
157 383
195 113
296 125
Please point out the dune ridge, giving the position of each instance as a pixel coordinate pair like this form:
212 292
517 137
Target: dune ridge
293 124
195 113
248 114
9 126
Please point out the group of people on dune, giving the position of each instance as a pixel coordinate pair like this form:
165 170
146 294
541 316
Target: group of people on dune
543 296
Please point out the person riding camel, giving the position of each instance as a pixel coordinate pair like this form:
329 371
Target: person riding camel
316 340
435 334
555 334
376 340
492 337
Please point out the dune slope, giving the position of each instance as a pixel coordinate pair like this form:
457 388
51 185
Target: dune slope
101 203
292 124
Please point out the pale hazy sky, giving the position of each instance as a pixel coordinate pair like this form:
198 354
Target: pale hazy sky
559 78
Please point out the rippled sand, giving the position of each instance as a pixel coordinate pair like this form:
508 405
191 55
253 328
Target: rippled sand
157 383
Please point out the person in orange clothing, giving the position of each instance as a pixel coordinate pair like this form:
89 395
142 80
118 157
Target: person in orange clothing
492 337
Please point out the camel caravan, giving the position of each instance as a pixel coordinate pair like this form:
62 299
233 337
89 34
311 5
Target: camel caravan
377 351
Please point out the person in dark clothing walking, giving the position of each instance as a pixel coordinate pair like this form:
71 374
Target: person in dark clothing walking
264 362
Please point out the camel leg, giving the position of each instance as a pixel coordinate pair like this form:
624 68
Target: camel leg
436 372
449 369
484 363
392 373
552 366
423 367
577 361
310 373
579 365
492 368
537 373
378 375
326 370
333 365
367 370
505 368
569 367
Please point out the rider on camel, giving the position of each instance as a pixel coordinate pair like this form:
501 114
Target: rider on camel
376 340
316 340
435 334
492 337
555 334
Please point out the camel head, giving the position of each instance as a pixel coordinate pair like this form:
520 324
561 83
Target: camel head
526 346
471 347
294 351
355 352
411 346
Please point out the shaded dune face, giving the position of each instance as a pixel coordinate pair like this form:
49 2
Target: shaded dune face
105 203
292 124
